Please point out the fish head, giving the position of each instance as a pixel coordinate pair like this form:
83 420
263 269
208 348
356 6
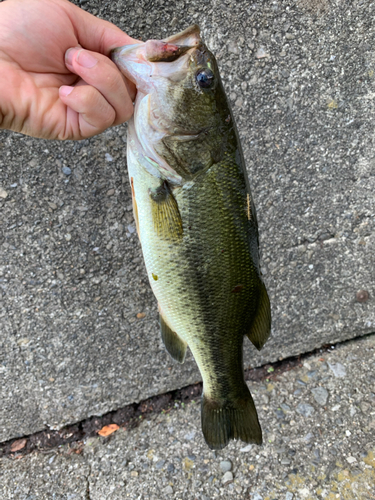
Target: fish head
182 118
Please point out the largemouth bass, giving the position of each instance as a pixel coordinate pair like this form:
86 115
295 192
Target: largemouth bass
197 224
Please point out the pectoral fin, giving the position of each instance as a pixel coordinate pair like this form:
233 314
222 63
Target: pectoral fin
261 327
173 343
165 213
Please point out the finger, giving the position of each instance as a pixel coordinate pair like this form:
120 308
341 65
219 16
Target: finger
100 72
96 34
88 112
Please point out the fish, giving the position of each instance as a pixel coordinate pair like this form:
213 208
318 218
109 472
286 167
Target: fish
197 224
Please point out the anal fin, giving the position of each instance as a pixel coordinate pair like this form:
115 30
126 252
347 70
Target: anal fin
165 213
173 343
261 328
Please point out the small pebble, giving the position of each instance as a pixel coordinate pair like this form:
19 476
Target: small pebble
3 193
338 370
285 407
246 448
320 395
260 53
108 157
168 490
305 410
362 296
285 461
226 465
68 237
227 478
170 468
66 171
110 192
189 436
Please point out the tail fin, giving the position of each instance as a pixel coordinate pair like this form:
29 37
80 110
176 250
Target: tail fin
222 421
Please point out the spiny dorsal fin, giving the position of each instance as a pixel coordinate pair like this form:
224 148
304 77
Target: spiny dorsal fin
173 343
165 213
261 327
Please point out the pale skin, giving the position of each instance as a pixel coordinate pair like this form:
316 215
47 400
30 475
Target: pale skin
57 80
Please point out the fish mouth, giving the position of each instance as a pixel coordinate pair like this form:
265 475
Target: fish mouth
136 60
166 50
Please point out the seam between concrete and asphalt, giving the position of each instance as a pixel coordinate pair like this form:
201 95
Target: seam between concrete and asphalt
130 416
318 424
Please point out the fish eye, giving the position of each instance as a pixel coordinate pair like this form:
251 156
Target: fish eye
205 78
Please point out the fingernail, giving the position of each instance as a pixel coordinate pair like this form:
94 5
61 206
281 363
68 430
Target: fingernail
86 60
70 53
65 90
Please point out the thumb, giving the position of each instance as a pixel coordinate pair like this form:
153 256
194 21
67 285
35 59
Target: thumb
96 34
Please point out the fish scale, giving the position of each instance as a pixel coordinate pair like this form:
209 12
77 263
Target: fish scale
197 224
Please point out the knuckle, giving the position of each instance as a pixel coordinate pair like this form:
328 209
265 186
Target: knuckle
125 113
109 116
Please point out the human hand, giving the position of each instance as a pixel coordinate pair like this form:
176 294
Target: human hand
56 79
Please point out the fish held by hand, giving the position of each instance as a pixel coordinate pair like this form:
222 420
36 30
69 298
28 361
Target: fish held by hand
197 223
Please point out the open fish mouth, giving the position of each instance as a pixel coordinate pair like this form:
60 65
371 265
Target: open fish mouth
156 51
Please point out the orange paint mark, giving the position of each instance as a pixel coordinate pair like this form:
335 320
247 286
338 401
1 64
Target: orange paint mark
108 429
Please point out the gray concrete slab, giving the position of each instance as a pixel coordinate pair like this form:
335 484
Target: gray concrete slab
300 76
319 443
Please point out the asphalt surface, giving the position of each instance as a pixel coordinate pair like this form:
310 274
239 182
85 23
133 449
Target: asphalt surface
318 424
79 334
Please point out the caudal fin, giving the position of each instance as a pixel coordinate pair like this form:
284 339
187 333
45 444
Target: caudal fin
237 419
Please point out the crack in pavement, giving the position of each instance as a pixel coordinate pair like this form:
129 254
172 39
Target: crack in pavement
131 415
